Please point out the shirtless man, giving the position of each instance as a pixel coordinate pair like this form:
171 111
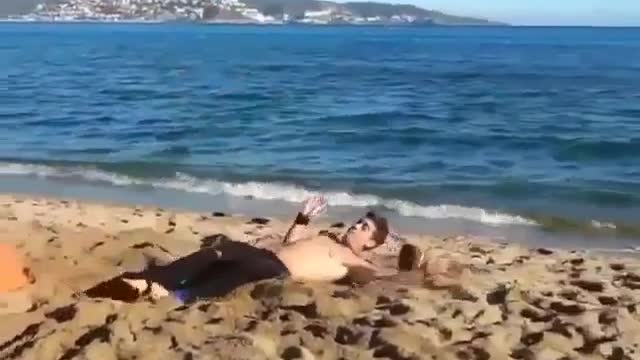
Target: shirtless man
329 259
218 270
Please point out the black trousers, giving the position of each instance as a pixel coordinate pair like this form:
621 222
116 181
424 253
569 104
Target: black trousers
208 273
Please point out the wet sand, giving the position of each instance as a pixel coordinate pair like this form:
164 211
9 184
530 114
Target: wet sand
515 303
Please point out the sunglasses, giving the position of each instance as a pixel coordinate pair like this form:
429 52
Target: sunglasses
361 224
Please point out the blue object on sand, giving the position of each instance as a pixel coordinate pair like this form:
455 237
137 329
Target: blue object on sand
182 295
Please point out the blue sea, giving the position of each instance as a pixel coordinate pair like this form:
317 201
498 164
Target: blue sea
526 134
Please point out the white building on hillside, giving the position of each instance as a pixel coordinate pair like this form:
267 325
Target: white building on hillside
318 14
256 15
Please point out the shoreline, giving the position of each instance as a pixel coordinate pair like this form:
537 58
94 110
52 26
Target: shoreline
281 200
283 220
544 302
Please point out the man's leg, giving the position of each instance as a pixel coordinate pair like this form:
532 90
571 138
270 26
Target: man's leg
119 288
239 264
156 281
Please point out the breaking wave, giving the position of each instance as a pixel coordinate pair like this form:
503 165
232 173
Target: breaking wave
267 191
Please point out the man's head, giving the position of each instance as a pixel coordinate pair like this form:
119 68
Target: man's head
367 233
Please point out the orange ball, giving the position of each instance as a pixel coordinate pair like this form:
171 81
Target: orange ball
12 274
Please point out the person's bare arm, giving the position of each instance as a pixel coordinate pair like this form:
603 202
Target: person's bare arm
360 270
313 207
298 230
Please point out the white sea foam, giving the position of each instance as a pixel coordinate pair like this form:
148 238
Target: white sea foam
269 191
603 225
628 250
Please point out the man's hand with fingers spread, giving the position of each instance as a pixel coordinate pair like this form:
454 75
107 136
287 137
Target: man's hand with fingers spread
314 206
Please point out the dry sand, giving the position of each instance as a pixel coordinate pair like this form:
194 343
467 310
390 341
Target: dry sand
516 303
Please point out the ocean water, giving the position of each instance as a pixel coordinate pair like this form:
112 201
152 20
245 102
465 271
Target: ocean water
528 133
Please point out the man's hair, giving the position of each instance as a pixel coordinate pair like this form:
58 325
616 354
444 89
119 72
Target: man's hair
382 228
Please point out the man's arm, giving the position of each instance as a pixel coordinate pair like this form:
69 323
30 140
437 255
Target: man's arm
360 270
298 229
313 207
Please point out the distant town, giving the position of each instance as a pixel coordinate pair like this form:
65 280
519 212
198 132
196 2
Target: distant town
232 11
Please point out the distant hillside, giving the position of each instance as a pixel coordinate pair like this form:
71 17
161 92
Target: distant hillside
367 9
363 9
375 12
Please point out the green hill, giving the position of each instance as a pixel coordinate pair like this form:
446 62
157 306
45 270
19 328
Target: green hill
363 9
297 8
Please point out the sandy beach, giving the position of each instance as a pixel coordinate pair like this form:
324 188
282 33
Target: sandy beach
515 303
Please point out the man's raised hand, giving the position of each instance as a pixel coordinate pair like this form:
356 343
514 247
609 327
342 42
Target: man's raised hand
315 206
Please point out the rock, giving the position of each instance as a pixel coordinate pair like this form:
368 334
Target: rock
631 277
617 353
398 309
63 314
537 315
382 322
389 351
291 353
460 293
477 249
589 285
617 267
607 317
317 330
568 294
376 340
543 251
607 300
473 353
523 354
631 282
310 311
632 286
218 214
568 309
346 336
259 221
498 295
576 261
560 327
533 338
